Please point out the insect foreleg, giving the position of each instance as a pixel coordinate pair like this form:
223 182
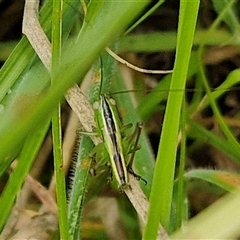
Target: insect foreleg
101 155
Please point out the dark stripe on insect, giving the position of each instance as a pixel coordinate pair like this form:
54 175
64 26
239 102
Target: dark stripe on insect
108 118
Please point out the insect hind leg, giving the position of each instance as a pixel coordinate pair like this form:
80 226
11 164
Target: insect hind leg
135 137
138 177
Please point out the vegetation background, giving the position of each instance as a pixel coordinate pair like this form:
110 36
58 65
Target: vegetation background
191 120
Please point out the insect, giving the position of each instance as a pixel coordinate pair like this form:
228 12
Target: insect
108 122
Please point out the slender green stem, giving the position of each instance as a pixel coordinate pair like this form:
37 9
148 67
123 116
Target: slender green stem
56 124
143 17
180 191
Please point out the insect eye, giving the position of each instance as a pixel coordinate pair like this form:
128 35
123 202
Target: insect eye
95 105
112 101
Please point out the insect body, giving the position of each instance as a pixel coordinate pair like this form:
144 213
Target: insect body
108 122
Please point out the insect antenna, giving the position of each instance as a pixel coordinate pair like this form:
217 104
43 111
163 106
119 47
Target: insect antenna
188 90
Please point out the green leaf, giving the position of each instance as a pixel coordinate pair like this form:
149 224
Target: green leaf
163 179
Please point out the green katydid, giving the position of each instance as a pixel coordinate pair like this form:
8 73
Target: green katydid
118 150
108 123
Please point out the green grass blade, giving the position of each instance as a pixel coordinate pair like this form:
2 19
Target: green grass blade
199 132
230 18
149 42
31 84
56 124
21 78
76 60
17 177
142 18
21 59
226 180
78 186
59 174
181 193
163 180
230 137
